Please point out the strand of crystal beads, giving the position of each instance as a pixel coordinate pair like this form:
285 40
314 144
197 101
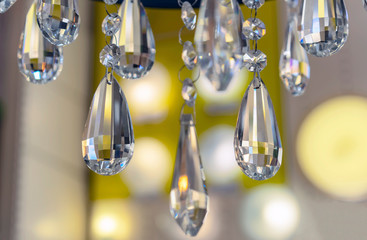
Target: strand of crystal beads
108 137
257 143
188 197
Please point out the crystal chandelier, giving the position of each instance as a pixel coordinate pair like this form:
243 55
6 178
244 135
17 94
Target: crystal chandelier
224 43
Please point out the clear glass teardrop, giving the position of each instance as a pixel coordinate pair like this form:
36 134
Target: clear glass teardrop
108 137
38 60
323 27
136 41
188 197
59 20
294 68
257 143
5 5
218 42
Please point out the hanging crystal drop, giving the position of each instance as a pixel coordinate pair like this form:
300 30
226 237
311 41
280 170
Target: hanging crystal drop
111 24
323 26
218 42
188 16
5 5
59 20
188 197
110 55
108 138
189 55
135 40
257 143
189 92
38 60
294 68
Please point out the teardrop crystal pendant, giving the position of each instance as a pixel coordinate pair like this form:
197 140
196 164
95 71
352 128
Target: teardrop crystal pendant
293 65
38 60
135 40
188 198
257 143
323 27
108 138
5 5
218 42
59 20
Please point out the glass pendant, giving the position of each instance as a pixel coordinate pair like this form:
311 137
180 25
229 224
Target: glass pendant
293 65
38 60
5 5
257 143
323 26
108 138
188 198
135 40
218 42
59 20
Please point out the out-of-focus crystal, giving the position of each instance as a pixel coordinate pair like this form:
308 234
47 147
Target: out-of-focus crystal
136 41
188 197
188 15
244 41
323 27
108 138
257 143
189 55
5 5
255 61
38 60
253 3
189 92
292 3
59 20
110 2
111 24
110 55
365 4
253 28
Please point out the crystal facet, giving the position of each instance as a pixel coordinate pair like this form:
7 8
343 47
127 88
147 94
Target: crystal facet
293 65
59 20
135 40
188 197
323 27
110 55
255 61
108 138
218 42
253 28
188 16
244 41
257 143
189 92
189 55
253 3
292 3
5 5
111 24
38 60
110 2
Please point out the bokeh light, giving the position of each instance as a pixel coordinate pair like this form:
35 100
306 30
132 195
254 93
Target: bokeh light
331 147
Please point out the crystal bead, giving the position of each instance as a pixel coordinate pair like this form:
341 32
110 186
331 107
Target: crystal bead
323 27
38 60
257 143
59 20
188 16
108 138
292 3
136 41
253 3
110 55
294 68
253 29
5 5
188 197
255 61
189 92
219 51
189 55
110 2
111 24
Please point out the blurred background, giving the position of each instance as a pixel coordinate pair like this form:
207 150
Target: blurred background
47 192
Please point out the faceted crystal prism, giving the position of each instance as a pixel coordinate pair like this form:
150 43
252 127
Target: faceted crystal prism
188 197
253 3
189 55
294 68
253 28
188 16
5 5
38 60
135 40
110 55
59 20
108 138
323 26
189 92
111 24
257 143
218 42
255 61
